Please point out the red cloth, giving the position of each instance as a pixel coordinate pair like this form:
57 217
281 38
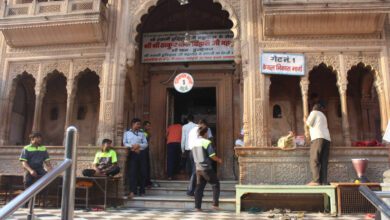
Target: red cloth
174 133
372 143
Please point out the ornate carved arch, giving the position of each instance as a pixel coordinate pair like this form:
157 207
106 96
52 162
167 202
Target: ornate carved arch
331 62
368 61
143 8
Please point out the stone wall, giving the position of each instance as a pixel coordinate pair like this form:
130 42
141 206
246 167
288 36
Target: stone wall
10 164
274 166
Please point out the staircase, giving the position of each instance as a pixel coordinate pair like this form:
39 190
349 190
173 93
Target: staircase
172 195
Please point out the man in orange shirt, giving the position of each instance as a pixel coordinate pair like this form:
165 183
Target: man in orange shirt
173 149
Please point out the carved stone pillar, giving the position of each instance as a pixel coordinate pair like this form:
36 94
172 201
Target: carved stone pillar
120 99
39 95
71 91
254 83
266 139
344 111
381 95
305 104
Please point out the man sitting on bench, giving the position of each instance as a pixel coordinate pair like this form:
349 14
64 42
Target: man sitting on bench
105 161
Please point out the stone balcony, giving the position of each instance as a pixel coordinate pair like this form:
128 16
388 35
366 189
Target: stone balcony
289 18
41 23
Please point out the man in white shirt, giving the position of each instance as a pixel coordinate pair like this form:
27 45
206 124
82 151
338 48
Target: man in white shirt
320 144
240 140
193 136
135 140
185 149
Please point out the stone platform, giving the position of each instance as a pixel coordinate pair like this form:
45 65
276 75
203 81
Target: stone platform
270 165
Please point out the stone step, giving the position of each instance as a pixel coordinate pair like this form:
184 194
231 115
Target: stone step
182 191
178 202
182 184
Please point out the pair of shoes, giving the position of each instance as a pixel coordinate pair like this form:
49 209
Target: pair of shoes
198 210
169 178
313 184
216 208
155 185
190 194
131 195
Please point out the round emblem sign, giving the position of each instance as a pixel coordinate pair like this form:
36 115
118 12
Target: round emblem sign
183 82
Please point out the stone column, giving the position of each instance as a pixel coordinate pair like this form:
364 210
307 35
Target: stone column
344 111
71 92
39 95
254 84
120 99
342 83
378 83
305 104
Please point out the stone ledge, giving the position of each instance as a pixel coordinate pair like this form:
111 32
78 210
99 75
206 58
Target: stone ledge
270 165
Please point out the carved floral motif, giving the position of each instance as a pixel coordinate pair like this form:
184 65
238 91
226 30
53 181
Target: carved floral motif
19 68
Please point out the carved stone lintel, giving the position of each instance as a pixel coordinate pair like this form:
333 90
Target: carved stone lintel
19 68
62 67
81 65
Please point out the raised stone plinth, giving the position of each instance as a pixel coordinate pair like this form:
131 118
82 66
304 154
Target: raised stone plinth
10 165
268 165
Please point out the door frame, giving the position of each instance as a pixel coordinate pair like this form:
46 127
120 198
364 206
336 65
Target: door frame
222 81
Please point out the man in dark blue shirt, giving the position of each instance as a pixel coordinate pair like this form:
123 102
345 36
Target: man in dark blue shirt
33 158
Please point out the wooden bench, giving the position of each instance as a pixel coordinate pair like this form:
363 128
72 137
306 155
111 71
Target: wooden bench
329 193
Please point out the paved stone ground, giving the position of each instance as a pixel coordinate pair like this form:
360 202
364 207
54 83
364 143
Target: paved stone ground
154 214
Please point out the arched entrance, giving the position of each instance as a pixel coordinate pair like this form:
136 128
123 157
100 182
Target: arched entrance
154 98
285 106
54 108
86 106
363 104
323 89
22 109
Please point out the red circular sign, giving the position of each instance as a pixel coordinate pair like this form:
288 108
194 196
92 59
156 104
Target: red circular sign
183 82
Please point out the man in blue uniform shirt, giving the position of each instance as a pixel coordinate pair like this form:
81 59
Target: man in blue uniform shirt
33 157
135 140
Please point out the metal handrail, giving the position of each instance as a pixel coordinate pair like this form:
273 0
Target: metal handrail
375 200
69 166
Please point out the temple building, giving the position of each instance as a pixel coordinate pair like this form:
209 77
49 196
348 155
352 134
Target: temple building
97 64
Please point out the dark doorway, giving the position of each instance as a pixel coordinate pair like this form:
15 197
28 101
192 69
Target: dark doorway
200 102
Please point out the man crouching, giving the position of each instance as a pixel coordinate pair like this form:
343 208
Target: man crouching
203 152
105 162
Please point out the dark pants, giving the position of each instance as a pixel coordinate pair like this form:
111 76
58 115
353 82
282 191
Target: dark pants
148 181
192 183
114 170
203 177
137 171
28 180
189 163
319 154
173 158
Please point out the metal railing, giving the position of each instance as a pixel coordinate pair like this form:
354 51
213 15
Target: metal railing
375 199
69 181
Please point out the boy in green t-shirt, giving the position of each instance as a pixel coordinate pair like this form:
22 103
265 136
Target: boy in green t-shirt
105 161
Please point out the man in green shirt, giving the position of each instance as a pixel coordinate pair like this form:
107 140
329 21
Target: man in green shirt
33 158
105 161
203 153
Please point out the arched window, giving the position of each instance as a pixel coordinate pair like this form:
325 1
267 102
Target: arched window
54 113
81 113
277 111
339 114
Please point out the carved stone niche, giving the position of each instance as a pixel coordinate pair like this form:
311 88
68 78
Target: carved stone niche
265 165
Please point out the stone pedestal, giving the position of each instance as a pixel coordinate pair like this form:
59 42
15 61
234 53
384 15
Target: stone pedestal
266 165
